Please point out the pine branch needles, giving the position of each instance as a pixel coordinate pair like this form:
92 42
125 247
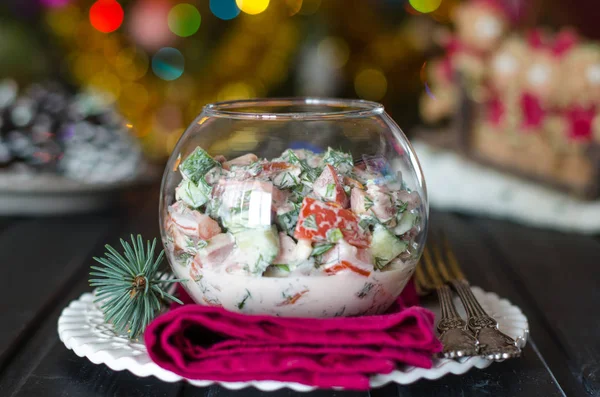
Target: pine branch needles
131 287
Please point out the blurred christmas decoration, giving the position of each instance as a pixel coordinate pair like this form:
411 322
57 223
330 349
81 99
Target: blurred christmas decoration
528 103
45 129
162 60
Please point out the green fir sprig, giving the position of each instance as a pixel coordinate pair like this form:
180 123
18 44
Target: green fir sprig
131 287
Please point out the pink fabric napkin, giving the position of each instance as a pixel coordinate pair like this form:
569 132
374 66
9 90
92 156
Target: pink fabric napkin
203 342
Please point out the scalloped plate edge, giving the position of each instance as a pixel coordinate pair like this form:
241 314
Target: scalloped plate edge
75 331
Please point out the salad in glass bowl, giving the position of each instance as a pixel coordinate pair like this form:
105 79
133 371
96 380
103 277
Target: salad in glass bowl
308 232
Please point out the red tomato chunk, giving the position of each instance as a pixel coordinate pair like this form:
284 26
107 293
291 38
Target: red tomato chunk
317 217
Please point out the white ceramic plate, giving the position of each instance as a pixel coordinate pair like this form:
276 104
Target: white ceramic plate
81 328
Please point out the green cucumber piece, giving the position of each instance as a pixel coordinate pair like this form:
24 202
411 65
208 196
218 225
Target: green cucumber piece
196 165
258 247
406 222
385 246
288 220
194 195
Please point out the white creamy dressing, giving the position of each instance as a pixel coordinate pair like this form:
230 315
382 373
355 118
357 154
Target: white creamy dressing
343 294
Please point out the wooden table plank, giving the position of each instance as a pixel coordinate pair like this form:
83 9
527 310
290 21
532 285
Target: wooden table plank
485 269
558 272
523 377
43 366
77 376
39 259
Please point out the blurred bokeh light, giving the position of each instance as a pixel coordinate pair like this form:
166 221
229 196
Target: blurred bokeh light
184 20
425 6
224 9
252 7
168 63
152 55
106 15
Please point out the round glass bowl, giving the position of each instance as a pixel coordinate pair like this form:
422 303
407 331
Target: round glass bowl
294 207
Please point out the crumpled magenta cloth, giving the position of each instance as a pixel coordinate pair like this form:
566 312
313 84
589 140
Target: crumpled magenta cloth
210 343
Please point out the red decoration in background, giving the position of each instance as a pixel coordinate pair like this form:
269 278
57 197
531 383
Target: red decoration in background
535 39
580 122
533 114
564 41
106 15
495 111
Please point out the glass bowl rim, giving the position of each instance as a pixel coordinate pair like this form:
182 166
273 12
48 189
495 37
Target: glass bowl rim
355 108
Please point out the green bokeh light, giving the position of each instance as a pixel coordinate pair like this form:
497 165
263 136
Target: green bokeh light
425 6
184 20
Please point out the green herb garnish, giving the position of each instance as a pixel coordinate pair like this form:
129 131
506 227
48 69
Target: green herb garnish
310 222
341 161
380 263
402 207
368 203
243 301
288 221
330 190
321 248
286 180
282 266
334 235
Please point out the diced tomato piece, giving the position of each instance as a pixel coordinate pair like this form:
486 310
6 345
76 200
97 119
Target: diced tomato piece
345 265
356 269
293 299
317 217
211 302
276 166
329 187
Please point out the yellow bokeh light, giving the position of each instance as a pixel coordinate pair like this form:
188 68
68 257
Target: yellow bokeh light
131 63
334 50
370 84
239 90
252 7
106 83
136 94
425 6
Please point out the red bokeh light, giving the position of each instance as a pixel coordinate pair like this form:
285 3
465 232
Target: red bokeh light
106 15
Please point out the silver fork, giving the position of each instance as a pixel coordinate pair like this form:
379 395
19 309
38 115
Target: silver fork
493 344
457 340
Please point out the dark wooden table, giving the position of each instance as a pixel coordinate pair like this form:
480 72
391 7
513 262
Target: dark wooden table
554 277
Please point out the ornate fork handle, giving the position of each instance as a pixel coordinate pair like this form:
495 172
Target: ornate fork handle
457 339
493 344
